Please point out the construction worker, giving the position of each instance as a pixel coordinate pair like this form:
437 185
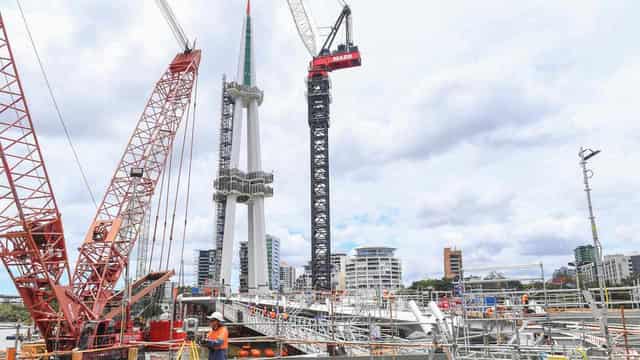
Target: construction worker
489 312
525 302
217 340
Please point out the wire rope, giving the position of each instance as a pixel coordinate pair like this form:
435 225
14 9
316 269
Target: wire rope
186 207
177 192
166 209
155 226
57 108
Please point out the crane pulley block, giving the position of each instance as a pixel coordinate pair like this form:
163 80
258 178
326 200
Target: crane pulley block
182 61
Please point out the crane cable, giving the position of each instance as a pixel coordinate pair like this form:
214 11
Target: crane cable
57 108
177 192
155 227
186 206
166 209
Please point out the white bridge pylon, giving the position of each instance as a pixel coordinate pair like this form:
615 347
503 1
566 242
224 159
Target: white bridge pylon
245 187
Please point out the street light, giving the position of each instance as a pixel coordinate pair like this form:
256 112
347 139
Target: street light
584 155
575 266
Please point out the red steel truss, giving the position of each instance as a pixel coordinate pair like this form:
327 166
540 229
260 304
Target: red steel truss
116 225
32 244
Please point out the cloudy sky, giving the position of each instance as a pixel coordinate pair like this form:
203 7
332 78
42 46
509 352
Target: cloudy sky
461 128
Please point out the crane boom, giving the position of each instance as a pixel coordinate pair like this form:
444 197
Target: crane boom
173 23
304 25
32 243
116 226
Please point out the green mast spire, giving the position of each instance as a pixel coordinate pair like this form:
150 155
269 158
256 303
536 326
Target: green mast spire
247 48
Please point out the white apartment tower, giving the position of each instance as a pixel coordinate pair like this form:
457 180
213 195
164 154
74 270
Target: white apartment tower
374 268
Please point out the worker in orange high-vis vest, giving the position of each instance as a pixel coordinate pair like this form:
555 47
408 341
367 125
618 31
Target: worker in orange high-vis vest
218 338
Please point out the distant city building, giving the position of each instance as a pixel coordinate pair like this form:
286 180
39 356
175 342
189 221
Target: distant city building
205 267
616 267
587 273
584 254
244 266
287 277
635 263
273 261
563 276
339 271
452 263
303 282
373 268
495 275
563 271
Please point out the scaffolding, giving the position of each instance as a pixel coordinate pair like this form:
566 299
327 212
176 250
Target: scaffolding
501 322
224 164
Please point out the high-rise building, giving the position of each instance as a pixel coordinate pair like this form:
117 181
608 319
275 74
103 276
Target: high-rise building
616 268
244 266
338 271
273 261
249 186
373 268
584 254
452 263
635 263
205 267
303 282
287 277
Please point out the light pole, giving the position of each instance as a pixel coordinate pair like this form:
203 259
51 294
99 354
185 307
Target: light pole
585 155
576 266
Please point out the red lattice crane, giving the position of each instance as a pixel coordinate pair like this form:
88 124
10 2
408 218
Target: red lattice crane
32 243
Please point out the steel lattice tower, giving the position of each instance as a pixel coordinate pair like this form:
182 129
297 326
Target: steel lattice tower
224 165
319 99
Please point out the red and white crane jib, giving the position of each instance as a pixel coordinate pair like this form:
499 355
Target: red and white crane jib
345 56
116 226
32 243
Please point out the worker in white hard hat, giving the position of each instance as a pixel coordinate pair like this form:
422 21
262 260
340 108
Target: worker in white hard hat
218 338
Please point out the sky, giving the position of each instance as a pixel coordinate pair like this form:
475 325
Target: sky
462 127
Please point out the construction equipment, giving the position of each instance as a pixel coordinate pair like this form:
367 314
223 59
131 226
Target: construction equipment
326 60
32 244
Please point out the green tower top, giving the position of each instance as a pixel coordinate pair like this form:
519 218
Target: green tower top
247 48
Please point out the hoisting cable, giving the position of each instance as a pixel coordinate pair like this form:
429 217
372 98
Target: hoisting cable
175 201
55 105
166 209
155 227
186 206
